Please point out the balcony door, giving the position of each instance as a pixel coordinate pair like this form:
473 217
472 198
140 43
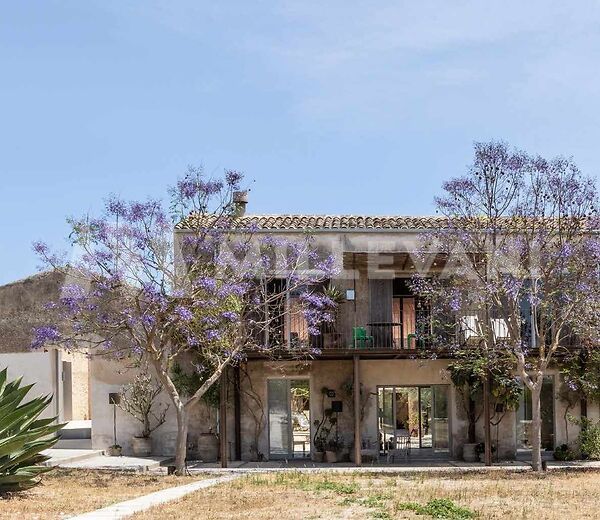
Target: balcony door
289 418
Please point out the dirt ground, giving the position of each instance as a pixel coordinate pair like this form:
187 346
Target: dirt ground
288 496
64 492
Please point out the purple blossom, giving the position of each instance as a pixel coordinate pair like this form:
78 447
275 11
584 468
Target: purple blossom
43 335
183 313
115 206
40 248
233 178
212 334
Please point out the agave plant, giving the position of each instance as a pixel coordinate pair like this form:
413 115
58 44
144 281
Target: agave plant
23 436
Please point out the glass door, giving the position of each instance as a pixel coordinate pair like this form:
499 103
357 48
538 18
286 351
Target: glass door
524 416
440 430
417 412
289 418
279 418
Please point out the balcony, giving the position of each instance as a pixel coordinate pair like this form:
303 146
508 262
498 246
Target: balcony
376 336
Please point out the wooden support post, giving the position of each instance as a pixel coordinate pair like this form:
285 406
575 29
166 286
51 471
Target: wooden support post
356 391
238 413
487 428
223 419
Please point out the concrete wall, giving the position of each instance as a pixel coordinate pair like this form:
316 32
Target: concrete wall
38 368
332 375
374 373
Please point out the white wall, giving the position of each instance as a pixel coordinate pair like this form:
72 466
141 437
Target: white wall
109 376
38 368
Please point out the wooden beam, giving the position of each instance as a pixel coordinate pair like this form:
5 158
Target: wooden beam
223 419
356 388
487 430
238 413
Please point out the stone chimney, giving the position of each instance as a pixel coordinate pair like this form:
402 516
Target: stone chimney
240 201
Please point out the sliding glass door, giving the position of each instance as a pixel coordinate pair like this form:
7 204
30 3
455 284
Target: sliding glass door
524 416
289 418
417 412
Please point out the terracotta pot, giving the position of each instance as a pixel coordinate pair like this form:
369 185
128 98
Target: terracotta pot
317 456
330 456
114 451
141 446
208 447
470 452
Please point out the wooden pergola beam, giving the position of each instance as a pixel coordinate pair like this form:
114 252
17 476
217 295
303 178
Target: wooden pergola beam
356 388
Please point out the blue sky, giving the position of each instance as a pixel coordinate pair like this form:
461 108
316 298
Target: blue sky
328 107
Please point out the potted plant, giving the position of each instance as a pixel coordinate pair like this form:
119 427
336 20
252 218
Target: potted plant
343 451
480 449
318 453
331 450
322 430
468 370
138 400
114 450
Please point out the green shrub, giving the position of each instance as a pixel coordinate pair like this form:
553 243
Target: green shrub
589 437
23 436
563 452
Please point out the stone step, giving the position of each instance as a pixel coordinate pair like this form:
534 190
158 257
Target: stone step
59 456
74 444
77 430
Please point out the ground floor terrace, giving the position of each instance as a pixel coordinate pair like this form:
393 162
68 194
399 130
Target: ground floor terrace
302 411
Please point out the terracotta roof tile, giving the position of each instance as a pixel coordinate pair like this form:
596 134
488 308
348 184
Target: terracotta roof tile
322 222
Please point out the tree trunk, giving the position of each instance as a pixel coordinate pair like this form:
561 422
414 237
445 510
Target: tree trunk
472 420
181 447
536 427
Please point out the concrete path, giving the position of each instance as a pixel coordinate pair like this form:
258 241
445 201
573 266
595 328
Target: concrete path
59 456
136 505
414 467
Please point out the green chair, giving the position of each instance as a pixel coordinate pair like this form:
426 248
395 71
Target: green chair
360 338
418 342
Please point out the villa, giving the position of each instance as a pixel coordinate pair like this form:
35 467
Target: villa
276 408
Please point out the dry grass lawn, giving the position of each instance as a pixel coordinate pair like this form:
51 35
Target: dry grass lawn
65 492
287 496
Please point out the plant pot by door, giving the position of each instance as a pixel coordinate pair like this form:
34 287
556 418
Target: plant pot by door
470 452
330 456
141 446
208 447
114 451
318 456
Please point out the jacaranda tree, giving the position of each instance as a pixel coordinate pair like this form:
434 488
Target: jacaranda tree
198 297
521 272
